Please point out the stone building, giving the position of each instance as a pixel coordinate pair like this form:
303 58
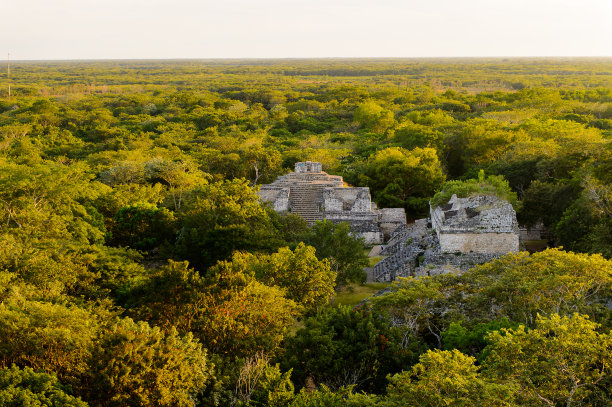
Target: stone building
316 195
479 224
459 235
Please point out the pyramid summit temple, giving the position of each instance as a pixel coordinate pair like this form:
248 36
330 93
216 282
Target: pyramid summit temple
315 195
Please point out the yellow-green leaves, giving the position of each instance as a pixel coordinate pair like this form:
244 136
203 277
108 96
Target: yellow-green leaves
446 378
562 361
48 337
136 364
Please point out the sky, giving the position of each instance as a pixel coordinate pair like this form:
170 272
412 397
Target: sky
202 29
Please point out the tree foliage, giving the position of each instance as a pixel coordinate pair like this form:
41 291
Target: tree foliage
49 337
228 310
135 364
561 361
343 347
25 387
335 243
107 187
494 185
447 378
403 178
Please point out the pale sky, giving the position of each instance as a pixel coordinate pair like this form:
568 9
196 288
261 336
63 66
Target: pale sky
157 29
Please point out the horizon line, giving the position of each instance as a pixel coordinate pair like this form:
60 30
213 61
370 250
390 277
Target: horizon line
316 58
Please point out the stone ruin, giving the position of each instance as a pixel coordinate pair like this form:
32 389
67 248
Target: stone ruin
479 224
458 235
315 195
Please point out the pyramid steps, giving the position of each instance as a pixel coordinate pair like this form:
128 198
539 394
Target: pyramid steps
304 201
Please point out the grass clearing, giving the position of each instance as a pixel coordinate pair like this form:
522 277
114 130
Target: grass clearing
375 259
355 293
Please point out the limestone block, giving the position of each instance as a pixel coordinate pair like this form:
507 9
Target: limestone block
390 220
479 242
362 200
331 201
393 215
277 195
371 238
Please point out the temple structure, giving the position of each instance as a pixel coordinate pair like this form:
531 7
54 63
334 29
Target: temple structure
458 235
478 224
315 195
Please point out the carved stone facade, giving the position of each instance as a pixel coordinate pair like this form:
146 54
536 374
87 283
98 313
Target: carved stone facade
459 235
316 195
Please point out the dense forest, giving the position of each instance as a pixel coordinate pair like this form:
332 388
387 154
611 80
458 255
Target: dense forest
139 268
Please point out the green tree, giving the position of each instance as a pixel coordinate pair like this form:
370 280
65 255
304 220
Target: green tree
223 217
261 165
471 339
59 266
562 361
484 142
325 397
415 306
521 286
546 202
446 378
25 387
135 364
345 253
404 178
373 117
50 337
50 200
586 225
410 135
262 384
180 177
243 315
341 347
142 226
306 280
228 309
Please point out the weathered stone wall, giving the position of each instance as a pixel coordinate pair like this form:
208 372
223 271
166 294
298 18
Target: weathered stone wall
371 238
459 235
393 215
537 232
362 225
479 242
435 263
277 195
370 218
437 219
390 219
331 201
347 199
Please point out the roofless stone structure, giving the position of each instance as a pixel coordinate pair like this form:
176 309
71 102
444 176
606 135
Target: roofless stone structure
315 195
458 235
478 224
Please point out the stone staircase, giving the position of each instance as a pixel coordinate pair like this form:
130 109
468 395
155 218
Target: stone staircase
403 235
400 264
304 201
407 243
